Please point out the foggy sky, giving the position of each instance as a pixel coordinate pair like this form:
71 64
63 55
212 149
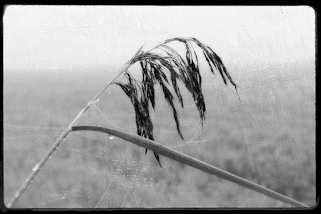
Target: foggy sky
108 36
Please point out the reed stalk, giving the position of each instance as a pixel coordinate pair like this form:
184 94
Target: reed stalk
164 70
60 139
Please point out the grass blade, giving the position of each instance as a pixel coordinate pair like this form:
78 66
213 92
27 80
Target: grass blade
185 159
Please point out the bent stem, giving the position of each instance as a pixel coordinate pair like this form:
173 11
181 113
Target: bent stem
185 159
60 139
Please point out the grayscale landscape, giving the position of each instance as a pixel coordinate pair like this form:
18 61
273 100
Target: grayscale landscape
265 133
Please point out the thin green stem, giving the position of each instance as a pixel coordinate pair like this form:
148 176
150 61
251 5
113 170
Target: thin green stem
185 159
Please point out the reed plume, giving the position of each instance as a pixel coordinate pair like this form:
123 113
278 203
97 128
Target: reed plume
167 69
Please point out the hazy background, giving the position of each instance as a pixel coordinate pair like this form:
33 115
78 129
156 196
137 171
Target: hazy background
56 58
100 37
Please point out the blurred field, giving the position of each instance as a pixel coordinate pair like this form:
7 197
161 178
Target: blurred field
267 137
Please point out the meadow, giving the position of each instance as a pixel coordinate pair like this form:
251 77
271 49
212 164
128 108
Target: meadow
268 137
